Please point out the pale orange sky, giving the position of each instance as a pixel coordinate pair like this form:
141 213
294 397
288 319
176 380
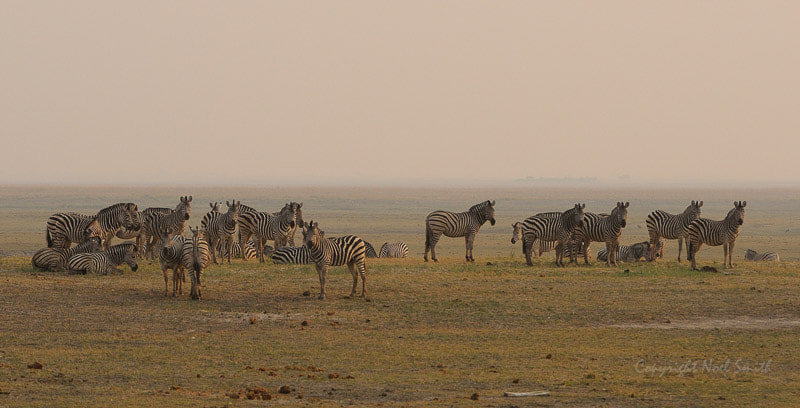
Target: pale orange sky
214 92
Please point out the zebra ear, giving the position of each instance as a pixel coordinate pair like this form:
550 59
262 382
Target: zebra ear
627 204
744 204
493 202
701 204
693 203
583 206
190 199
300 205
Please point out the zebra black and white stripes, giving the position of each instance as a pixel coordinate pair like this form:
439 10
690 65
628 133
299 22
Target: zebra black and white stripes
106 261
370 250
603 229
55 259
628 253
270 227
464 224
222 229
714 233
751 255
347 250
552 228
63 229
196 257
292 255
117 216
170 253
155 224
394 250
661 224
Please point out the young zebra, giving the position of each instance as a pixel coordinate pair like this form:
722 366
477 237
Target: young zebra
603 229
222 229
274 228
196 257
106 261
65 228
663 225
628 253
292 255
464 224
55 259
370 250
714 233
324 252
751 255
548 228
175 221
169 248
394 250
139 236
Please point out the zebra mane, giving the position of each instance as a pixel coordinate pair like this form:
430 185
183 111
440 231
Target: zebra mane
113 208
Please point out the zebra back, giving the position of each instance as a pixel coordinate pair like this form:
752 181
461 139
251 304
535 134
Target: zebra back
370 250
116 216
394 250
292 255
714 233
54 259
670 226
66 228
751 255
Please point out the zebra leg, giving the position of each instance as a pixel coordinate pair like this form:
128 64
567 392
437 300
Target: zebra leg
427 241
213 246
229 243
467 246
434 240
680 244
725 254
527 247
653 243
322 271
362 270
166 281
352 267
560 253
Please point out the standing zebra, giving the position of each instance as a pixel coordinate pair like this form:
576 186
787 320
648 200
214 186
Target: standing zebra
245 223
196 257
751 255
65 228
370 250
715 233
603 229
292 255
106 261
661 224
114 217
324 252
55 259
297 208
527 247
270 227
628 253
464 224
547 228
394 250
169 248
175 221
140 236
222 229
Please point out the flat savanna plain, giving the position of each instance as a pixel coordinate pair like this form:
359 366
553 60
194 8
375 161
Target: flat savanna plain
429 334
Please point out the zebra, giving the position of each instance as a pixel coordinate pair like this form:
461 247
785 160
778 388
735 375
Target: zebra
196 256
602 228
324 252
661 224
269 227
544 246
105 261
250 250
245 223
55 259
548 228
215 212
297 208
714 233
292 255
751 255
116 216
140 236
222 229
175 221
628 253
370 250
394 250
170 253
464 224
65 228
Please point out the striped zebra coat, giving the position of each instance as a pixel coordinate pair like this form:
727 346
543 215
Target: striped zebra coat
174 221
663 225
222 230
65 228
299 223
117 216
245 223
196 257
55 259
169 248
714 233
628 253
464 224
250 250
140 237
370 250
550 228
104 262
602 229
394 250
542 246
292 255
272 228
347 250
751 255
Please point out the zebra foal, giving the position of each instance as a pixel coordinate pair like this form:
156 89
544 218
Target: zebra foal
450 224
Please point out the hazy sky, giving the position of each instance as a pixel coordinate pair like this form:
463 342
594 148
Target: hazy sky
215 92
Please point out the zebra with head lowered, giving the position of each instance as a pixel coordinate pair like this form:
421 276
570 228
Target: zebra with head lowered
270 227
155 224
222 229
464 224
65 228
292 255
106 261
347 250
751 255
602 228
628 253
394 250
55 259
663 225
715 233
140 236
196 257
370 250
560 229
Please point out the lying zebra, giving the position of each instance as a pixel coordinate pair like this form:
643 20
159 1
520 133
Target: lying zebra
55 259
394 250
106 261
751 255
628 253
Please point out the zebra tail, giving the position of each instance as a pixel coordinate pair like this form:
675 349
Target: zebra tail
49 238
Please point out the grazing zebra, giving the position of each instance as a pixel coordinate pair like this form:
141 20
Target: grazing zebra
222 229
324 252
270 227
714 233
106 261
464 224
601 228
55 259
661 224
169 248
548 228
250 250
370 250
292 255
65 228
628 253
140 236
175 221
543 246
196 257
394 250
751 255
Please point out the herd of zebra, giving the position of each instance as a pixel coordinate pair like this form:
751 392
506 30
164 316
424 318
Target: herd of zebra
158 233
242 231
